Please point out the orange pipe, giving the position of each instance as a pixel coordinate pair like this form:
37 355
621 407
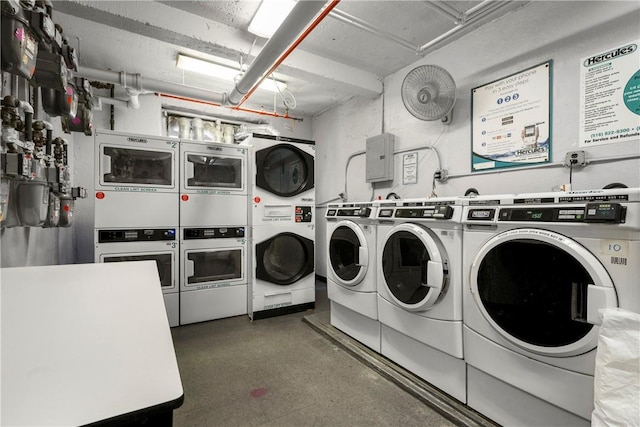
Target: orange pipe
246 110
291 48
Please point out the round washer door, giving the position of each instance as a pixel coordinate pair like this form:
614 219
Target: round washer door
413 268
284 170
540 289
284 258
348 254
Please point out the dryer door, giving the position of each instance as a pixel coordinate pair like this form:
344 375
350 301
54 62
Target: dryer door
413 267
348 254
540 290
284 258
284 170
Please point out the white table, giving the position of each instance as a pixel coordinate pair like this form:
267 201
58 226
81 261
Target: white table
86 343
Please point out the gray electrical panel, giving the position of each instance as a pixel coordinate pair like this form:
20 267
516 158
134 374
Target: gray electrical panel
380 158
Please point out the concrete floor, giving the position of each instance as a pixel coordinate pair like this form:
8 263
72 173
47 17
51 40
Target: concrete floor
281 372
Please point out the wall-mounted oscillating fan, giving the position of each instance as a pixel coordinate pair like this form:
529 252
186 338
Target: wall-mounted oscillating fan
429 92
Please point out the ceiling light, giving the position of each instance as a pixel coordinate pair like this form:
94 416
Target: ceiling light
222 72
269 16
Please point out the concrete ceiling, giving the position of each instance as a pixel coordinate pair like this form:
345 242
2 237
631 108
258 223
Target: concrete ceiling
348 54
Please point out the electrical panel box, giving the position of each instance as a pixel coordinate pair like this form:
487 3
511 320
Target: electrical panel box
379 155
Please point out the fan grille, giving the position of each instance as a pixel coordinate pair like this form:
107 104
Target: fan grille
428 92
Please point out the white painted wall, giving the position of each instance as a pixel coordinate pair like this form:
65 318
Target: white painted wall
147 120
564 32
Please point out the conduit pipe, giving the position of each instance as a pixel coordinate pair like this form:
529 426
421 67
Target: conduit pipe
246 110
135 84
278 47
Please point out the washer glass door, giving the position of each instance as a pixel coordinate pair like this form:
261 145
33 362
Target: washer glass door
348 253
413 267
533 286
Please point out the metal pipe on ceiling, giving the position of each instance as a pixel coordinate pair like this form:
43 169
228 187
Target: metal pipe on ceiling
138 83
359 23
298 19
446 10
473 14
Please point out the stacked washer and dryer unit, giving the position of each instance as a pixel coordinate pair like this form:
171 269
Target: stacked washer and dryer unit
182 204
214 255
537 269
282 218
136 206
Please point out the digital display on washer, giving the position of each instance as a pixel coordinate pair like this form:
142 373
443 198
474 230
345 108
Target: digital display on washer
385 213
481 214
438 212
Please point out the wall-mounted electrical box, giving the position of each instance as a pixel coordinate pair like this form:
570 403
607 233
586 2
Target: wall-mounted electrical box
380 158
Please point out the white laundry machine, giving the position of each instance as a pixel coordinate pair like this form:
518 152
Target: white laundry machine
351 272
282 176
283 269
213 184
148 244
213 273
420 289
535 275
135 171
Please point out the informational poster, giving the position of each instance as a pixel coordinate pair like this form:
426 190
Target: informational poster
511 120
410 168
610 96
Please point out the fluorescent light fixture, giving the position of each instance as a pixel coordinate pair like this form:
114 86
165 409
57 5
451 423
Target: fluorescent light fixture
269 16
222 72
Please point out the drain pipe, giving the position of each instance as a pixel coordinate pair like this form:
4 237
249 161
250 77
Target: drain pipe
278 47
136 84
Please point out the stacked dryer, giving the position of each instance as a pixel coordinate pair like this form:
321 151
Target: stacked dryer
136 205
351 272
537 268
213 231
419 256
282 205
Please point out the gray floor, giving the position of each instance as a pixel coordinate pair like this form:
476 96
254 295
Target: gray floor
283 372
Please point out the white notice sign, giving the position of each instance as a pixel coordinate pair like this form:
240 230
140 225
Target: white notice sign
610 96
410 168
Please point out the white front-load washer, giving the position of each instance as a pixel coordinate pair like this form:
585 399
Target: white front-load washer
149 244
213 273
419 284
536 272
351 272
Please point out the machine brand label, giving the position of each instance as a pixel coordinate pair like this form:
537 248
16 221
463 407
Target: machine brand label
213 148
138 140
307 199
612 54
